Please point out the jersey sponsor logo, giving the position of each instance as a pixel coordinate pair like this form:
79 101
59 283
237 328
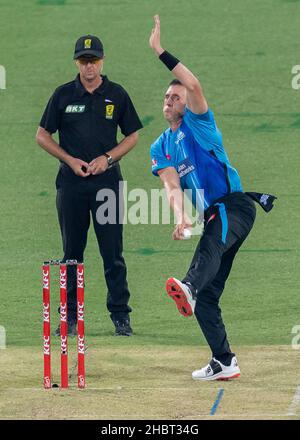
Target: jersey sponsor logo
211 218
185 167
264 199
180 136
87 43
107 100
75 109
109 111
154 162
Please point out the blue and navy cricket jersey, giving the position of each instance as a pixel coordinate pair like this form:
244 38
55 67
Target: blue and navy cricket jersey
196 151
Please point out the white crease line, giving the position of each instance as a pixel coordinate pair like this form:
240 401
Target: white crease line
295 402
117 388
122 388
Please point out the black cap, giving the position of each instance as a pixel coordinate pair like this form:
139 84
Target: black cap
88 45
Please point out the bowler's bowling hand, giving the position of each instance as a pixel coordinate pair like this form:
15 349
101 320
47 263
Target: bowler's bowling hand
178 233
98 165
154 39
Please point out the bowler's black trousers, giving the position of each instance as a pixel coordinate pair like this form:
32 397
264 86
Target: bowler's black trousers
227 224
76 204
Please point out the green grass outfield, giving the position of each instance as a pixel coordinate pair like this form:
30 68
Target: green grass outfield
243 52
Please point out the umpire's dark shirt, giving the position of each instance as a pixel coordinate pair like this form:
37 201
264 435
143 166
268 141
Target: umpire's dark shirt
88 123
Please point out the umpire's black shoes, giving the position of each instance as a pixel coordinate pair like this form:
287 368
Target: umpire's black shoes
72 330
123 327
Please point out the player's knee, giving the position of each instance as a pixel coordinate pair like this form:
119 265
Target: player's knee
204 304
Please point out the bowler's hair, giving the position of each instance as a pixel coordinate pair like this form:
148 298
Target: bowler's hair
175 82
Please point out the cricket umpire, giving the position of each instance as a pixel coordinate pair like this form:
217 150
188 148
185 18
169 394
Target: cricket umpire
87 112
190 155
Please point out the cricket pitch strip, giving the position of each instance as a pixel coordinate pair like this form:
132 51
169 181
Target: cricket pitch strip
152 383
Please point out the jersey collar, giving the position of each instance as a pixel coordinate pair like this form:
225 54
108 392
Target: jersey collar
80 90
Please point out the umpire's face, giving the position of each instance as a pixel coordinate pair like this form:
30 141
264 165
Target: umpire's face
174 103
89 68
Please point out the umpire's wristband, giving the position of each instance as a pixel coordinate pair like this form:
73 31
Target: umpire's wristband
169 60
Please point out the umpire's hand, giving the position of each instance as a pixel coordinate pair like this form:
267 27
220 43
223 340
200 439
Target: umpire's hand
98 165
80 167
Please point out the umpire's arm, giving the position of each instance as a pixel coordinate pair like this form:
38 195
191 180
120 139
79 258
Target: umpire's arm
45 140
99 164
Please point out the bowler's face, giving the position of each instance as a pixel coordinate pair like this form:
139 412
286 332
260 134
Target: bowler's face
89 68
174 103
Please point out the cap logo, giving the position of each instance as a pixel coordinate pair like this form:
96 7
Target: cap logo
109 111
87 43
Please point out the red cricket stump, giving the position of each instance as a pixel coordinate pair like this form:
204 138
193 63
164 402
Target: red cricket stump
63 326
80 326
46 326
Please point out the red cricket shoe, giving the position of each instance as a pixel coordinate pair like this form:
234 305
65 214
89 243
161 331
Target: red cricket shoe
182 295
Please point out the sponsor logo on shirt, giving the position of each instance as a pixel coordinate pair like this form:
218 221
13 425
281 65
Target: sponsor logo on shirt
264 199
75 109
109 111
179 138
185 167
154 162
211 218
107 100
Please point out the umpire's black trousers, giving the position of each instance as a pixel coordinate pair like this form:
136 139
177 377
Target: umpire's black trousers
76 204
227 224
